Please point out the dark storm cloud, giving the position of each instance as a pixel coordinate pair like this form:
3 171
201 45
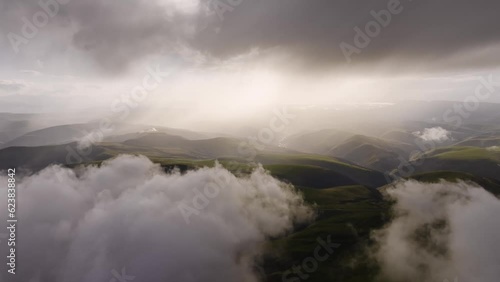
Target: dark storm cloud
437 34
117 32
113 32
313 30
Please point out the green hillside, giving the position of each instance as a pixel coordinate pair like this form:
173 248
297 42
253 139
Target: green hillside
374 153
481 142
358 174
36 158
452 176
317 142
477 161
465 153
347 214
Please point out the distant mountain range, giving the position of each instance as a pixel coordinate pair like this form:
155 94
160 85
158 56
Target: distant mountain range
339 152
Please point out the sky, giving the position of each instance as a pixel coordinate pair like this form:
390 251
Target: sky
240 56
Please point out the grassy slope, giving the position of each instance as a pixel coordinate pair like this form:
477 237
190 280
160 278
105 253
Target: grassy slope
318 142
300 169
347 214
35 158
324 174
371 152
374 153
452 176
474 160
327 170
466 154
481 142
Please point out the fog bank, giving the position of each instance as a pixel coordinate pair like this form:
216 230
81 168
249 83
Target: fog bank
129 217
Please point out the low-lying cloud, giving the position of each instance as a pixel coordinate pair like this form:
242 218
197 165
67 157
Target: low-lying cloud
441 232
93 223
434 134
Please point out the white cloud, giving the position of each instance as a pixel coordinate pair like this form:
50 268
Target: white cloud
78 226
191 7
11 86
440 231
31 72
434 134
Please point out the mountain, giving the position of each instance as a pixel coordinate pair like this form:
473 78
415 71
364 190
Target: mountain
171 150
68 133
52 135
14 125
317 142
319 171
36 158
153 145
489 184
399 135
486 141
480 162
220 147
371 152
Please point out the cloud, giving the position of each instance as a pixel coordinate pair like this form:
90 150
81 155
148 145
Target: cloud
442 35
433 134
80 225
31 72
11 86
310 32
440 232
114 33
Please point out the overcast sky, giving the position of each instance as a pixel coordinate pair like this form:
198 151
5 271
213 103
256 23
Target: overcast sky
241 55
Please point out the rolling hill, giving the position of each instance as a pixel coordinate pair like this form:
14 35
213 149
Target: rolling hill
489 184
478 161
119 132
317 142
371 152
375 153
